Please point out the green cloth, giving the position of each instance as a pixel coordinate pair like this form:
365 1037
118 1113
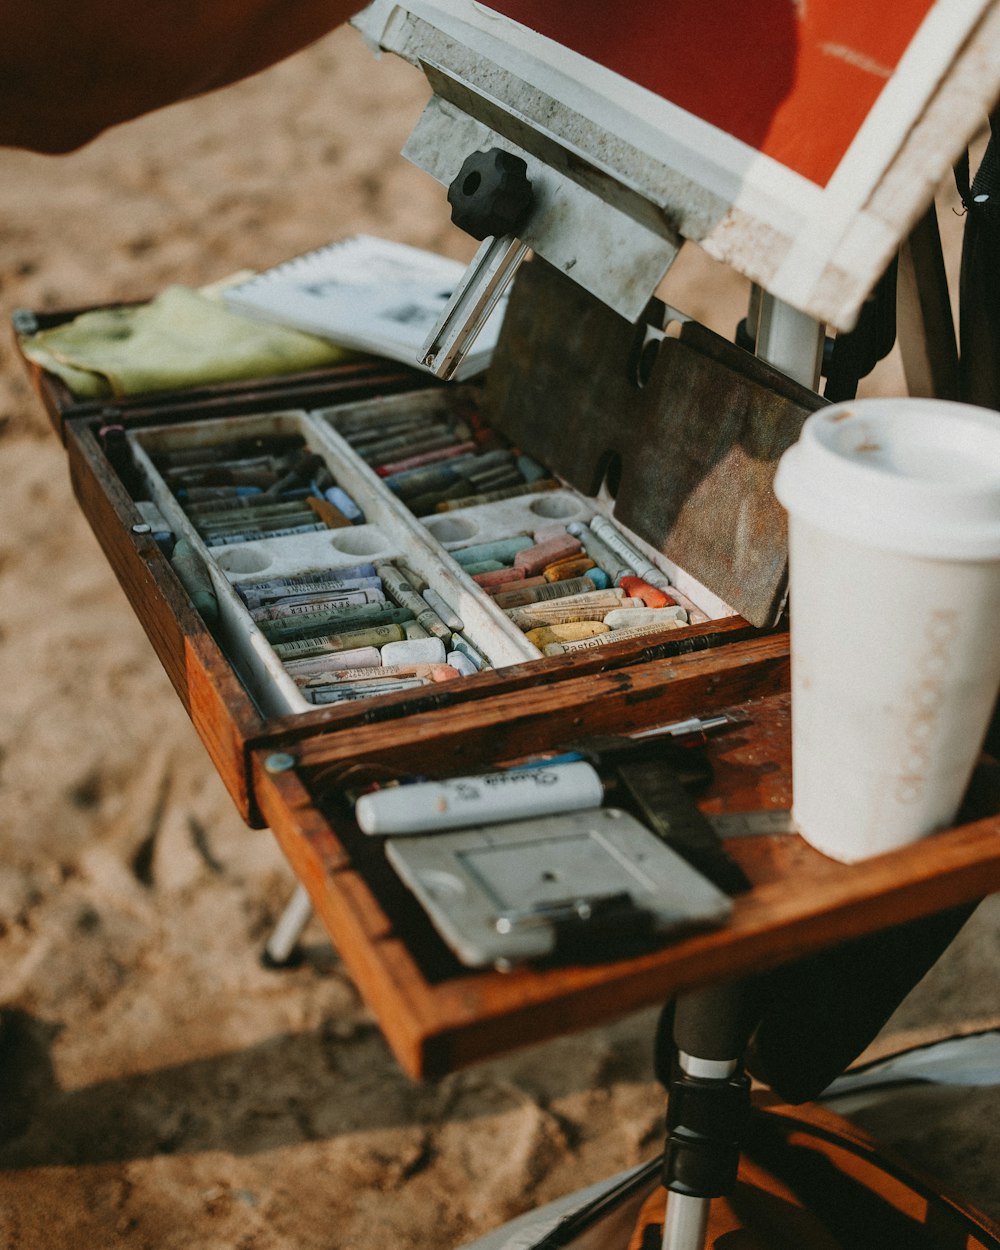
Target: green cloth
178 339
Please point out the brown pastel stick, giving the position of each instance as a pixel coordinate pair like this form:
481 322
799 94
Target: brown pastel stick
522 583
328 513
497 577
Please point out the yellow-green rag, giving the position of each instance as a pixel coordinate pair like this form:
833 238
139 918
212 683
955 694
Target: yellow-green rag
180 338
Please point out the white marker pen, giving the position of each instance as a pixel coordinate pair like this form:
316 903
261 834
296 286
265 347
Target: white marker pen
518 794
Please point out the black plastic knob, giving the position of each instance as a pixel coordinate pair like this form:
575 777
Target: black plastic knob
491 194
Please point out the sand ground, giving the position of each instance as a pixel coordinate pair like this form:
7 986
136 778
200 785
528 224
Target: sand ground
160 1088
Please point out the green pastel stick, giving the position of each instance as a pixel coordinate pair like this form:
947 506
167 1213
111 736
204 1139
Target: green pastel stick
196 580
502 549
376 636
318 623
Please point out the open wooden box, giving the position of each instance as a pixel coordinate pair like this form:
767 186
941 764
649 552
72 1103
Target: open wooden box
722 517
672 433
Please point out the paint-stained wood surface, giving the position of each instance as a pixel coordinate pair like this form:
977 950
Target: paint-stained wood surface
439 1016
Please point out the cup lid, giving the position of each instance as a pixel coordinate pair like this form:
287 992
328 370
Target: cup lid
917 476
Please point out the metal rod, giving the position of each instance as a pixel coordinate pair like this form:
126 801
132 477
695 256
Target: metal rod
289 928
472 301
708 1102
790 340
685 1224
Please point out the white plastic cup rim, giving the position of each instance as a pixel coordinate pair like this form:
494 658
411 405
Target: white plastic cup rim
919 477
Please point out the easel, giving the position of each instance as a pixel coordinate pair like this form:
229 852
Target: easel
709 1094
710 1097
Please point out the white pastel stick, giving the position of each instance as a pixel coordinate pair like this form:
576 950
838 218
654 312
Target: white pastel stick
414 651
572 608
648 571
303 605
443 608
518 794
622 618
358 657
459 660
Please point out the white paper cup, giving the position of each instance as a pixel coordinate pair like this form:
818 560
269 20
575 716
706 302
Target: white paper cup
894 567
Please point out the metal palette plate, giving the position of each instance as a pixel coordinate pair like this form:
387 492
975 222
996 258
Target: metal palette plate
498 894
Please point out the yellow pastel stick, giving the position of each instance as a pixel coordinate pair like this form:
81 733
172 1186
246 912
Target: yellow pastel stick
573 566
570 631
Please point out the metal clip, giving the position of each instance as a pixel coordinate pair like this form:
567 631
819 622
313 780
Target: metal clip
483 284
770 822
563 911
24 321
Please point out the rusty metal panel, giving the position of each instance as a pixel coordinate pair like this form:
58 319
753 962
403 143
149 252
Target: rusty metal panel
689 455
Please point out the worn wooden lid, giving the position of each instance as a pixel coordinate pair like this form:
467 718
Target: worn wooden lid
685 433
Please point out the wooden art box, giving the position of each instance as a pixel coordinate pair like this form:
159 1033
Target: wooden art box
609 413
663 431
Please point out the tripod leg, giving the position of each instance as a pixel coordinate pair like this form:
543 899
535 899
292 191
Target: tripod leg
789 340
926 331
709 1103
280 945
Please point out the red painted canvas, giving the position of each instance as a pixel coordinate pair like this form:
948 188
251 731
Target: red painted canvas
793 78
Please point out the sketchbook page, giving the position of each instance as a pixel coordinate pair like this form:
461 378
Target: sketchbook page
373 295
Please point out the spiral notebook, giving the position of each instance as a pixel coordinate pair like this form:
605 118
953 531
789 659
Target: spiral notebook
369 294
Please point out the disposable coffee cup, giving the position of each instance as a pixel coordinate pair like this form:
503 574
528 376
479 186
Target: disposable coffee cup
894 573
